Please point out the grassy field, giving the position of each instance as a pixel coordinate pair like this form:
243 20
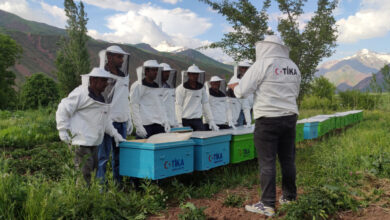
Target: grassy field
337 172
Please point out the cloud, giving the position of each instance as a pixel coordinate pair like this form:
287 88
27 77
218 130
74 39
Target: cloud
117 5
171 1
371 21
43 12
163 29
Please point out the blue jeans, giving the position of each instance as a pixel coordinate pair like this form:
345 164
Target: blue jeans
104 153
241 119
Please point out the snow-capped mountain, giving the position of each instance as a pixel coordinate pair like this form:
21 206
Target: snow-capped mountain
353 69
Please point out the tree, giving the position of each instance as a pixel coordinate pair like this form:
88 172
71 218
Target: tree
308 46
39 90
249 27
73 58
10 51
321 87
386 77
374 86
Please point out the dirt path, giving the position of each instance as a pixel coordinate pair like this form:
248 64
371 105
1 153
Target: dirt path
378 210
215 208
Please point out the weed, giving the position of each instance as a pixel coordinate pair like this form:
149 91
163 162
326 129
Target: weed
191 212
233 200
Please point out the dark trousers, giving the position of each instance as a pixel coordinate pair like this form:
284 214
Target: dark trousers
196 124
276 136
105 148
152 130
86 160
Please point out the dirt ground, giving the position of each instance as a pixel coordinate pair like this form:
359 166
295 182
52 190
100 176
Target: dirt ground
215 210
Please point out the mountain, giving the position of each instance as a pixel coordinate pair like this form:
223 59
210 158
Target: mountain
40 44
197 56
364 85
343 87
145 47
351 70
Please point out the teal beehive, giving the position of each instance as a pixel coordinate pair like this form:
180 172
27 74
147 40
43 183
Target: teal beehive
156 161
211 149
310 129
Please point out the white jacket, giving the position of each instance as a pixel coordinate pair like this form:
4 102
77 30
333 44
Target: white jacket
169 98
236 105
146 105
274 79
192 104
220 109
120 111
86 119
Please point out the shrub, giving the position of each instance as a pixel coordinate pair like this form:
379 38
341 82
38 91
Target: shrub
315 102
191 212
358 100
233 200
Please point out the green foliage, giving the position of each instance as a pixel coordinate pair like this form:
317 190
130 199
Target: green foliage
233 200
51 160
191 212
314 102
308 47
386 77
249 27
374 85
73 59
9 52
319 203
38 91
321 87
315 42
377 164
358 100
25 129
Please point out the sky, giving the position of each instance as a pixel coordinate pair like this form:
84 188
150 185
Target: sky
168 25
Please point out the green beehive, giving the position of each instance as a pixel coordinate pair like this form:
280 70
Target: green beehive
242 147
299 132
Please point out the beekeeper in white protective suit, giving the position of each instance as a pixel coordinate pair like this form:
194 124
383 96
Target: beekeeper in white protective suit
168 84
237 106
147 110
239 71
84 116
275 80
116 62
192 101
216 89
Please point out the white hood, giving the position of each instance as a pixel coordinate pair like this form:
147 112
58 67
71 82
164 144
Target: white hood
273 79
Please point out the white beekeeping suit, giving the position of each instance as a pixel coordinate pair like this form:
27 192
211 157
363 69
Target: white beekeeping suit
168 84
218 102
236 105
120 111
146 100
239 75
279 77
192 103
83 118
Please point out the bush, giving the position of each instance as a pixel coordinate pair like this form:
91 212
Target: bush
358 100
315 102
39 90
191 212
319 203
321 87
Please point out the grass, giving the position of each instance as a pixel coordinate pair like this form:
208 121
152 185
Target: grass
336 172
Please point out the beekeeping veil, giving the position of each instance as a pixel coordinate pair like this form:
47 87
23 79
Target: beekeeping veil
194 70
149 64
110 59
96 72
168 76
